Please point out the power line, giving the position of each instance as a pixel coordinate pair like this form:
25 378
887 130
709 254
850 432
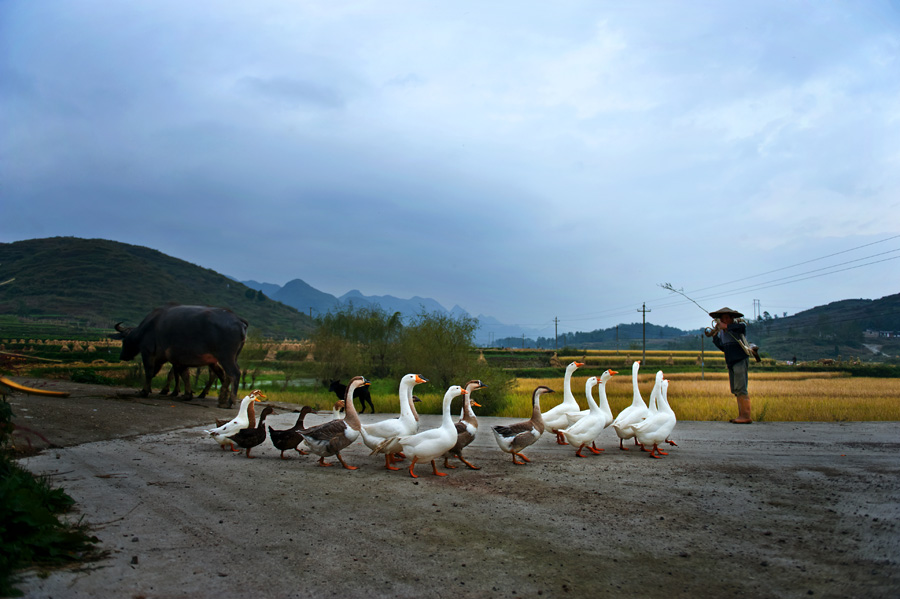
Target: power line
799 264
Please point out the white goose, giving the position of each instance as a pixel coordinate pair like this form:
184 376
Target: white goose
588 428
433 443
333 436
637 411
555 418
239 422
574 417
374 435
655 429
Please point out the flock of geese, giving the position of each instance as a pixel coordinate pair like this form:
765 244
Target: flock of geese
648 424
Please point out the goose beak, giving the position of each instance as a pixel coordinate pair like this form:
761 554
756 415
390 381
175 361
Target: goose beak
475 403
416 399
420 380
614 372
579 364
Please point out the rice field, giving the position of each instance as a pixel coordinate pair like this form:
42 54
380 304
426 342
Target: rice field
822 397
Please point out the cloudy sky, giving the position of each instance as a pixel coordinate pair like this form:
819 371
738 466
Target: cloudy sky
525 160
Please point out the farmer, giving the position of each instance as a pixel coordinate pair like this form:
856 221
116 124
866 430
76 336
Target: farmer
727 336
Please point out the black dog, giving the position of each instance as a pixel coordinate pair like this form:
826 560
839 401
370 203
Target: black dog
360 393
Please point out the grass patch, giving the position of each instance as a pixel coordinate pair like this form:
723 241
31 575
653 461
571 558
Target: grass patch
32 533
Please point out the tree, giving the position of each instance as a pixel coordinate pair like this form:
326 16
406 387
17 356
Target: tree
353 341
441 348
439 345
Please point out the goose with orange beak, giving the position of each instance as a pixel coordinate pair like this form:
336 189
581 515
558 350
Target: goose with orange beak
375 434
431 444
331 437
466 426
555 419
245 418
599 416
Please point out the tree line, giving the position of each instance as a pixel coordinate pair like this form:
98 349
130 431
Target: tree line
377 344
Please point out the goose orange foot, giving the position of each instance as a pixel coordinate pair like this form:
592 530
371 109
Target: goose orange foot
466 462
388 462
323 463
434 468
344 464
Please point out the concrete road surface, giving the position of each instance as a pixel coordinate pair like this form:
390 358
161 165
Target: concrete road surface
764 510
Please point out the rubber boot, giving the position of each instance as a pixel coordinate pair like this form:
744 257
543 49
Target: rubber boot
743 402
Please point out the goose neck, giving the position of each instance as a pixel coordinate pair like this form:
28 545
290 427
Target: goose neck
351 416
405 395
446 418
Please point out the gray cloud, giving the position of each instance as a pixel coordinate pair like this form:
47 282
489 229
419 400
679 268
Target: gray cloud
522 162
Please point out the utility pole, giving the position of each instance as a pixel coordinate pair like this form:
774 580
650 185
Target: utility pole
523 340
757 309
617 340
644 310
556 332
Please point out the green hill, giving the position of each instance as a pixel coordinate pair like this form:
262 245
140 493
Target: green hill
843 329
91 284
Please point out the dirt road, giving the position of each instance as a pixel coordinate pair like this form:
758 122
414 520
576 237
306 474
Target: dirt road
766 510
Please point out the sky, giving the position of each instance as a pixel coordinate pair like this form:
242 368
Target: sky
524 160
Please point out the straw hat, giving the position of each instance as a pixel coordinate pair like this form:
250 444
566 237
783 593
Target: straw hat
724 311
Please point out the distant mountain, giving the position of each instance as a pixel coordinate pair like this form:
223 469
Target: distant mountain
305 298
491 331
268 288
389 303
96 283
302 296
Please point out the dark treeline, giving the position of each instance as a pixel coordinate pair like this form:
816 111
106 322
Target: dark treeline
377 344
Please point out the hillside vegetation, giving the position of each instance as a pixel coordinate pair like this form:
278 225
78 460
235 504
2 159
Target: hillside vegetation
89 285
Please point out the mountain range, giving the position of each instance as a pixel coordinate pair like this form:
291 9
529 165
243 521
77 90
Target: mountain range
94 283
305 298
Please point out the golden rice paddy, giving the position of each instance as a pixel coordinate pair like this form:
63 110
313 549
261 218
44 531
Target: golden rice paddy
823 397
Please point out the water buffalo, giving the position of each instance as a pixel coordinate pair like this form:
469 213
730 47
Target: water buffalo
187 336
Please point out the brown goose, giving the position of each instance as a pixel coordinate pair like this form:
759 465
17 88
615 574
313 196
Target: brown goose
333 436
514 438
466 427
290 438
250 437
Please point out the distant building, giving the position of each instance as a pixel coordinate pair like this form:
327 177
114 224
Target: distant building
870 334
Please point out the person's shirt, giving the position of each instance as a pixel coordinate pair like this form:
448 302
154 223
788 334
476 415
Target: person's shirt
727 341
